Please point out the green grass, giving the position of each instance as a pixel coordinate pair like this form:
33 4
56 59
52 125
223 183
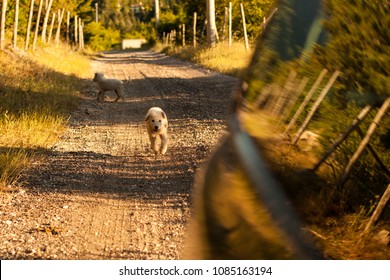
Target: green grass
38 91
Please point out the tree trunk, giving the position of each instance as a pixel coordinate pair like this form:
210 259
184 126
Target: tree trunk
2 31
211 27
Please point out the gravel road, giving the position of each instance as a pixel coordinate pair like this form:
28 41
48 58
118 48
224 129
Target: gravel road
100 193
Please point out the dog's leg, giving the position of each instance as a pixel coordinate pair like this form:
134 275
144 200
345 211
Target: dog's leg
153 144
164 143
117 94
121 93
100 96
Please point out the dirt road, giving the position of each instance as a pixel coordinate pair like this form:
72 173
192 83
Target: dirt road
100 193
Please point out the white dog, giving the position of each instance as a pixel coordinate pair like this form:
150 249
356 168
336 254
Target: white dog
107 85
157 126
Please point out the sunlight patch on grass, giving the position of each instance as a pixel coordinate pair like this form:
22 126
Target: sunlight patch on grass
230 60
38 92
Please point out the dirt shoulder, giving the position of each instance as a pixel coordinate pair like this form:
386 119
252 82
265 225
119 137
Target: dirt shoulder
100 193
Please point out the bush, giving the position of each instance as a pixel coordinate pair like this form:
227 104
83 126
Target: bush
100 38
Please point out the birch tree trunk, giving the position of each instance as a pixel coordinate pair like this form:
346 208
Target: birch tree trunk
211 27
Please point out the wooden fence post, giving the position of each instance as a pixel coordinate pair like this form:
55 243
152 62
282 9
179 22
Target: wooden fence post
194 29
230 23
382 111
51 27
67 27
60 17
183 35
378 210
373 153
96 12
306 100
16 23
46 20
81 35
294 97
76 36
29 25
244 26
284 94
225 19
2 27
316 105
37 24
363 113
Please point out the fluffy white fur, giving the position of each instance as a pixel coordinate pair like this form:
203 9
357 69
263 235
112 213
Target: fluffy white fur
108 85
157 126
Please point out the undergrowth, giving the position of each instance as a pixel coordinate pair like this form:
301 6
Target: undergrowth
38 91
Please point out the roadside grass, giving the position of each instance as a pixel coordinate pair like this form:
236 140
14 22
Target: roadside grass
231 60
38 91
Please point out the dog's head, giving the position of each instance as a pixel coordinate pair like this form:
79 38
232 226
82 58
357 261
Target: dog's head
97 77
156 120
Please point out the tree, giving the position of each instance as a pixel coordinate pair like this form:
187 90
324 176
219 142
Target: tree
255 10
211 26
359 47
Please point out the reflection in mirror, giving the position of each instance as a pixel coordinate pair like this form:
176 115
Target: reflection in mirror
279 186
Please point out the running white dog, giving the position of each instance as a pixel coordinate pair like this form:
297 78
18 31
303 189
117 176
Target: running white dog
157 126
107 85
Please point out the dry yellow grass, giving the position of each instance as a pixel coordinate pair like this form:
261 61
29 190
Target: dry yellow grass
231 60
37 93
